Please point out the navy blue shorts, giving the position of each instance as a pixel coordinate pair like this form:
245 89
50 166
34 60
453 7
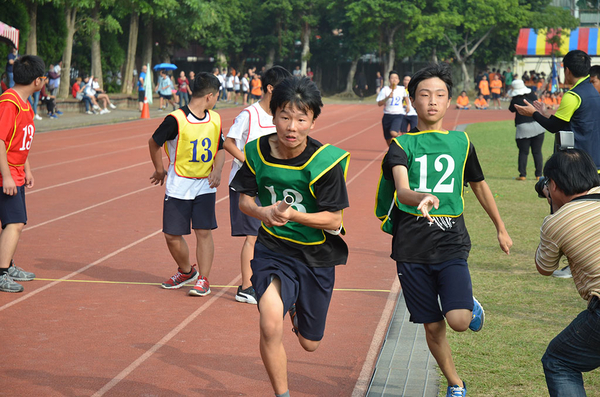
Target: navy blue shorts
412 120
422 284
309 287
391 122
12 208
177 214
241 224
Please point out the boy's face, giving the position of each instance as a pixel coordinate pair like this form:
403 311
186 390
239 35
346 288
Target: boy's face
406 81
431 100
394 79
595 82
293 126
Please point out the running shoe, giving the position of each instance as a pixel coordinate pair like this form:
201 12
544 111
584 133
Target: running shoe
37 117
180 279
18 274
565 272
58 112
201 288
53 116
96 107
294 319
104 111
478 316
246 295
7 284
112 106
89 112
457 391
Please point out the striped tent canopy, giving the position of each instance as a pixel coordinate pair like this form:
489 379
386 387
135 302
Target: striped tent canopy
531 43
9 35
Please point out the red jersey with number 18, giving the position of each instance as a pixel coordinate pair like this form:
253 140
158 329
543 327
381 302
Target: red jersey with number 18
16 130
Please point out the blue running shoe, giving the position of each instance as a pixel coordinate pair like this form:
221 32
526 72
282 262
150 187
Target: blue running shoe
58 112
478 316
457 391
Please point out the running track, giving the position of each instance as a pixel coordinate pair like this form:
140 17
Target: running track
96 322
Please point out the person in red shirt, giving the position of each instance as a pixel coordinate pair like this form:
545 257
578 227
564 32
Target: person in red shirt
16 131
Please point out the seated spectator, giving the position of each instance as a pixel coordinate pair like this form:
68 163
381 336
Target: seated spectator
89 92
77 92
102 96
548 101
481 103
49 100
462 102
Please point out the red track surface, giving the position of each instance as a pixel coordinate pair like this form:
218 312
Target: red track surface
95 322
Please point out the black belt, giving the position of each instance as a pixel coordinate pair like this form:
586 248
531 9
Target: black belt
594 304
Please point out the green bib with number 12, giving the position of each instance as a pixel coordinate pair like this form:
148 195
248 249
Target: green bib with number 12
436 163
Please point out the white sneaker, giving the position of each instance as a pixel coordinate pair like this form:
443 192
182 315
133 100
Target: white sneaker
104 111
37 117
565 272
112 106
96 107
89 112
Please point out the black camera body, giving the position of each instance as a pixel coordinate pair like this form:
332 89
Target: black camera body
539 186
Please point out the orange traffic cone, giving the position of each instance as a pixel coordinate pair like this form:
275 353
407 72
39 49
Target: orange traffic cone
145 110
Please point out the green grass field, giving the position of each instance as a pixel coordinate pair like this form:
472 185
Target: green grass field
524 310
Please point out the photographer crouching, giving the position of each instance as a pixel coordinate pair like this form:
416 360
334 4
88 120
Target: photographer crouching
571 185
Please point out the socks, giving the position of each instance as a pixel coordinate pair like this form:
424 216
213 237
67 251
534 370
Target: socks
3 271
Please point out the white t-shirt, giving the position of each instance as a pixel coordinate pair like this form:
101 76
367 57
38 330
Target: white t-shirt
236 83
252 123
230 81
178 186
395 104
245 84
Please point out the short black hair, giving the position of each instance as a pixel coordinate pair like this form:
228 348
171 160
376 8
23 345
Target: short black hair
439 70
578 63
299 92
572 170
28 68
595 71
204 84
273 76
393 72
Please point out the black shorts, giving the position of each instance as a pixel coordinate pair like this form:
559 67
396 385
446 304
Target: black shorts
177 214
309 287
241 224
167 97
141 96
495 96
423 284
12 208
391 122
257 97
229 89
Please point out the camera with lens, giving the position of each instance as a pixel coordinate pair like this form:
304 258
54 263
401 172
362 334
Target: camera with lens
539 186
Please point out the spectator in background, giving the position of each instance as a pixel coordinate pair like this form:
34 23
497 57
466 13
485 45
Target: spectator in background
141 86
297 72
165 90
12 57
53 79
462 102
595 77
378 82
191 82
221 81
496 88
245 85
77 92
102 96
183 86
529 134
484 88
236 87
49 100
256 89
361 85
481 103
309 74
229 84
58 71
89 92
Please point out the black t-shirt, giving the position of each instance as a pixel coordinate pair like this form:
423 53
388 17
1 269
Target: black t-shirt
168 129
415 239
331 195
520 100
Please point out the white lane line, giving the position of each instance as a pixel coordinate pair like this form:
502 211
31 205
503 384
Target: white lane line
89 177
33 152
134 365
364 379
76 272
87 208
129 149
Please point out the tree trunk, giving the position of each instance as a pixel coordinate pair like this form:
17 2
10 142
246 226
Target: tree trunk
148 43
318 78
350 77
32 39
270 58
467 81
305 48
221 59
70 19
134 23
96 51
